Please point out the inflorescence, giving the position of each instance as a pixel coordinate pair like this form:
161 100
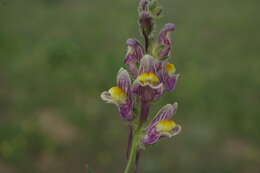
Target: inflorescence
150 74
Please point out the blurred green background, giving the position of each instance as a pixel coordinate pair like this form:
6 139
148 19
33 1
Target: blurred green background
57 56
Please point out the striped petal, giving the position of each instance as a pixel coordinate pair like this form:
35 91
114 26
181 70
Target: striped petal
124 81
165 40
134 53
148 64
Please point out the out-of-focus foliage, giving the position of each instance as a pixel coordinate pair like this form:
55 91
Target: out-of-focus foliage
56 56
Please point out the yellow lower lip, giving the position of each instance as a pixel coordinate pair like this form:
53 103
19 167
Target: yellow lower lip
117 94
170 68
148 77
165 125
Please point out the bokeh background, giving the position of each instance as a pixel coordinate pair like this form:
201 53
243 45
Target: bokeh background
57 56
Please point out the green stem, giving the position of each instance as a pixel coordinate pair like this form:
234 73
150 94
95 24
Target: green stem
133 150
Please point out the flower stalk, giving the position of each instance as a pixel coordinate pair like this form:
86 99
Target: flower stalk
133 151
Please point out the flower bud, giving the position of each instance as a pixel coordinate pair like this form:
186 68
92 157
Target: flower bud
154 8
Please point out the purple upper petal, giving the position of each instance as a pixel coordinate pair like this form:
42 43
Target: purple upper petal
163 34
135 53
165 40
123 80
151 137
125 111
148 64
147 93
170 82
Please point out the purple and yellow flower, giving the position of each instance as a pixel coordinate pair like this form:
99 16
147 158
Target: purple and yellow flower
120 95
147 84
135 52
164 42
169 77
162 125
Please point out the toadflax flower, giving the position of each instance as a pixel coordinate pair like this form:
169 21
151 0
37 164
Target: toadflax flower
162 125
120 95
152 74
147 84
165 39
168 76
163 46
135 52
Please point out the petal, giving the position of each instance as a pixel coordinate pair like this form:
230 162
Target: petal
106 96
172 133
151 137
138 83
123 80
165 40
158 91
147 93
135 51
170 82
165 52
158 87
148 64
136 87
133 69
176 130
125 111
164 34
165 113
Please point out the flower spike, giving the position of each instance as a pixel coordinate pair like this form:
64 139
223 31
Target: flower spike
151 74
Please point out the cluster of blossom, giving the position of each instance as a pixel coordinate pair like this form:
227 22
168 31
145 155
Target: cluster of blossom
149 75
